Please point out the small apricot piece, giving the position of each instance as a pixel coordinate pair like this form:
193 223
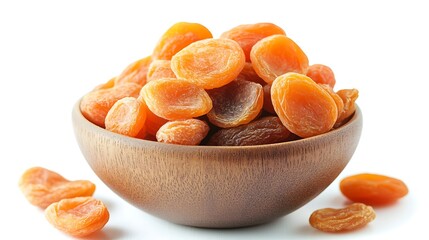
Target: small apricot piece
303 106
108 84
276 55
183 132
249 74
176 99
79 216
321 74
335 96
373 189
248 35
177 37
352 217
136 72
266 130
160 69
209 63
42 187
96 104
349 97
236 103
127 117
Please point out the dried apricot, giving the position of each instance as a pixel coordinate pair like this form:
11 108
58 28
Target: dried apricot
262 131
249 74
248 34
108 84
352 217
79 216
96 104
42 187
209 63
338 101
268 104
276 55
303 106
349 97
127 117
177 37
160 69
183 132
236 103
321 74
373 189
153 122
176 99
136 72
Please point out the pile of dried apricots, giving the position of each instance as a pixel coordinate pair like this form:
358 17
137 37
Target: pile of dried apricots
253 85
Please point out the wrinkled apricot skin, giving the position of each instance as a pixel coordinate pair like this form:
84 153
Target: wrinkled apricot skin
209 63
160 69
249 74
304 107
352 217
338 101
177 37
236 103
176 99
276 55
349 97
78 216
96 104
321 74
183 132
266 130
248 35
373 189
42 187
136 72
127 117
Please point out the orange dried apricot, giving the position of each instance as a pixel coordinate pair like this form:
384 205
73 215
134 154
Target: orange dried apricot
349 97
108 84
136 72
160 69
96 104
177 37
352 217
176 99
209 63
321 74
262 131
236 103
79 216
42 187
276 55
249 74
373 189
183 132
153 122
338 101
248 34
127 117
304 107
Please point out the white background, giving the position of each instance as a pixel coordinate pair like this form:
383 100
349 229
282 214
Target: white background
52 52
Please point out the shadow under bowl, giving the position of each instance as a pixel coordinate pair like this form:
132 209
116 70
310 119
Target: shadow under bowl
217 187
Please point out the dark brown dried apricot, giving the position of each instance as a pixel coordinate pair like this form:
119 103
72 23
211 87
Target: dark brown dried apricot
266 130
236 103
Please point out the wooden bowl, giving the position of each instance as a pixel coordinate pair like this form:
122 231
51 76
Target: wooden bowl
217 187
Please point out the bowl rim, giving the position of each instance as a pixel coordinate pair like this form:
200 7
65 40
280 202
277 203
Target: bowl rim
78 117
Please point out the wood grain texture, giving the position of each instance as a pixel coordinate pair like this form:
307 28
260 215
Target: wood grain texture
217 187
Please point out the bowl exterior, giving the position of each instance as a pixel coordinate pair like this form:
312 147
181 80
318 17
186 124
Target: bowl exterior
217 187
